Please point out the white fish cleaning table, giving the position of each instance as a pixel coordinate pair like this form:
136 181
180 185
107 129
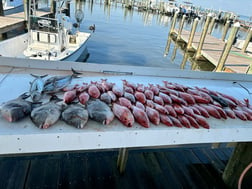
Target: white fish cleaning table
23 137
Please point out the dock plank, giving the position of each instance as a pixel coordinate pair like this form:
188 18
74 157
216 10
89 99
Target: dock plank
13 173
15 21
156 168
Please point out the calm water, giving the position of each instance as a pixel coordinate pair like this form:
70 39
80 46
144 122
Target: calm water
130 37
127 37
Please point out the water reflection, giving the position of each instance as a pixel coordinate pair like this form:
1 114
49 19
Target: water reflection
131 37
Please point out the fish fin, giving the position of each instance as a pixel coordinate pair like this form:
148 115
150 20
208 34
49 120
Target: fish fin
75 73
55 97
37 76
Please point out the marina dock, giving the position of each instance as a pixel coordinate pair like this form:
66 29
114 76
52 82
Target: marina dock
237 61
15 21
219 52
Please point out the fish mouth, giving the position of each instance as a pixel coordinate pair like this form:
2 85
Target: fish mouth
129 124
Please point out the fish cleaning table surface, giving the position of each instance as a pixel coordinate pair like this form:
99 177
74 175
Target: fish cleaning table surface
24 137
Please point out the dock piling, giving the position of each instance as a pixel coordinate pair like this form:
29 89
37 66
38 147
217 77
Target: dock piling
173 23
225 30
248 38
211 26
168 43
192 33
181 25
202 37
228 47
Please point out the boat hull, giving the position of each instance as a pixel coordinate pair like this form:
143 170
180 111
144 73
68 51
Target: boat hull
14 47
12 10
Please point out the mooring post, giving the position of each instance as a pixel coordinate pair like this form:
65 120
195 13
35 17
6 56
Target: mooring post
181 25
228 47
173 23
225 30
193 30
248 38
202 37
174 52
238 169
211 26
185 58
168 43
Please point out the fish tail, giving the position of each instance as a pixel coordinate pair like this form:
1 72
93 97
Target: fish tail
75 73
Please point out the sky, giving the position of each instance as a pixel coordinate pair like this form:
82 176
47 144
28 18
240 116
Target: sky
241 7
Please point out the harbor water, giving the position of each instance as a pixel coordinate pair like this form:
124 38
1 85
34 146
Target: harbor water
131 37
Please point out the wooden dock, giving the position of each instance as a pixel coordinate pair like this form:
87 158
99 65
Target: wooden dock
237 61
15 21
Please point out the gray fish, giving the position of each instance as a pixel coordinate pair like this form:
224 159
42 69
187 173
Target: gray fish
56 83
37 87
16 109
75 115
46 115
99 111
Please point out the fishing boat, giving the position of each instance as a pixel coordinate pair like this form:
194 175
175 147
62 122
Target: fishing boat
12 6
54 37
170 7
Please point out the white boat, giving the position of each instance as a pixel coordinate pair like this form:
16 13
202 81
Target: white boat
12 6
49 38
170 7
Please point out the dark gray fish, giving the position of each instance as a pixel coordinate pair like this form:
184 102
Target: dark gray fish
75 115
37 87
16 109
56 83
219 100
105 97
46 115
99 111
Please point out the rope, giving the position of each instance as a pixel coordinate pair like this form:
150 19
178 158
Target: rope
243 174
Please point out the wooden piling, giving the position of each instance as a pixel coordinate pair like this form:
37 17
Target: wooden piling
228 47
168 43
225 30
185 58
173 23
192 33
248 38
174 52
202 37
181 25
211 26
235 174
1 9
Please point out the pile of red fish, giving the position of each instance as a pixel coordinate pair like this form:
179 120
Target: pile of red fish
172 104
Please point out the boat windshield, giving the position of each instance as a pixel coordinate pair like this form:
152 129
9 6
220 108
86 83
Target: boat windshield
44 24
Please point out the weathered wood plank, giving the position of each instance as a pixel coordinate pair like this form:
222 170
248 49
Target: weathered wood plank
43 172
15 21
13 173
